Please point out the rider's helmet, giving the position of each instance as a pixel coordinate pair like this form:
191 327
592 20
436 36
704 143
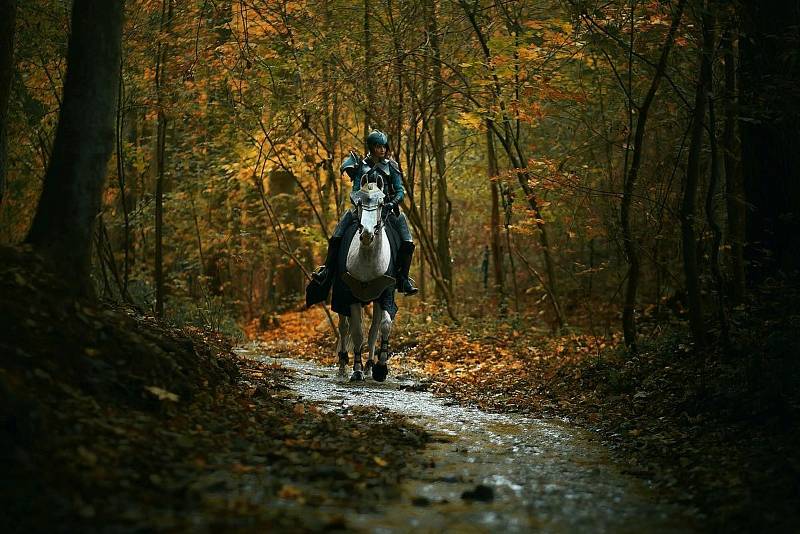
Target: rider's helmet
377 137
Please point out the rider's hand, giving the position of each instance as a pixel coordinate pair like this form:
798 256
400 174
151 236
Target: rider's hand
388 207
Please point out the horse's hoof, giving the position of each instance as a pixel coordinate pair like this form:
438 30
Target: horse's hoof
341 371
380 371
368 369
357 376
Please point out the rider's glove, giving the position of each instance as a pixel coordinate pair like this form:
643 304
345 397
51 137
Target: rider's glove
388 207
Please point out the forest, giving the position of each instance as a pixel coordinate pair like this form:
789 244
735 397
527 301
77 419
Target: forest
605 202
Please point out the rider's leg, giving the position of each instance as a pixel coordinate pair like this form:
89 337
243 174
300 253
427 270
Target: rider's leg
325 271
404 283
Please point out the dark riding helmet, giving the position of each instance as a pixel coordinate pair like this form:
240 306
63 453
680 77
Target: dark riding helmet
377 137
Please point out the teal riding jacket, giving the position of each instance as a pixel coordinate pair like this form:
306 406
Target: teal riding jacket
388 168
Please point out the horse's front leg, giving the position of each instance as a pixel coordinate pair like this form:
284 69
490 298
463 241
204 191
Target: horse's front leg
357 336
381 317
341 346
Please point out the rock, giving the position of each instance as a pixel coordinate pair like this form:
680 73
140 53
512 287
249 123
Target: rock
421 501
480 493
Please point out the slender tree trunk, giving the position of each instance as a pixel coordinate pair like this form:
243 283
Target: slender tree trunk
399 68
496 242
443 205
711 217
508 209
629 186
368 83
734 197
423 188
8 17
161 143
688 234
122 190
65 218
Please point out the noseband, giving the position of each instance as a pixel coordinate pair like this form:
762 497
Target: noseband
361 208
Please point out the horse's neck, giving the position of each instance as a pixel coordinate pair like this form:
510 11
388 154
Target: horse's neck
369 263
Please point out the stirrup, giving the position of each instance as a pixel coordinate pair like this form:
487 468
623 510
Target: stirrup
408 287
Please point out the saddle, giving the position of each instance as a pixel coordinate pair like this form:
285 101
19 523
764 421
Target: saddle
346 289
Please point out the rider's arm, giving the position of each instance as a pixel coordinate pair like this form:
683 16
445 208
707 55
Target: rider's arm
397 182
350 167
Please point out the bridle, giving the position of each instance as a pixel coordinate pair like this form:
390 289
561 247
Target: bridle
360 207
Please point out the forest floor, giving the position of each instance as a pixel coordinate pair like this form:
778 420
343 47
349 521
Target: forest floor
718 433
112 421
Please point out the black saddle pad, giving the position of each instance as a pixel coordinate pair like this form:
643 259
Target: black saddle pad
316 293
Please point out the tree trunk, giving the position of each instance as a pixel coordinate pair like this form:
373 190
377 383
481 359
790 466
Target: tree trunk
8 17
121 180
368 83
508 204
161 143
711 217
630 247
496 243
734 197
688 237
769 115
65 218
443 206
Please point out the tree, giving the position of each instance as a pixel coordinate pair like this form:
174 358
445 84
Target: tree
70 202
632 283
688 231
160 153
8 16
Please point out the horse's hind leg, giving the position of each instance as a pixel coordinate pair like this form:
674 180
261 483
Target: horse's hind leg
341 346
357 336
374 330
381 369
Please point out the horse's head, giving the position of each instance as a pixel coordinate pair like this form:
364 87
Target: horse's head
369 204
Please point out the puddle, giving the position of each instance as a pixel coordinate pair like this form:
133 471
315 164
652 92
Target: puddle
545 475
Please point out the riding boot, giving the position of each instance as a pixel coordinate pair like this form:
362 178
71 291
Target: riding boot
324 273
404 283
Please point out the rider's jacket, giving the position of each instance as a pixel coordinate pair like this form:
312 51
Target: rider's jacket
355 167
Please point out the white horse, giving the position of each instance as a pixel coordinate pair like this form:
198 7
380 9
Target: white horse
367 262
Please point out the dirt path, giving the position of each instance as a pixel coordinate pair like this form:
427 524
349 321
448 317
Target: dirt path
522 474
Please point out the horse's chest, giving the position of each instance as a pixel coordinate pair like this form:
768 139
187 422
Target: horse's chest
367 263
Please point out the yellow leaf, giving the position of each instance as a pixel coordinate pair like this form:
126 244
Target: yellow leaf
290 492
162 394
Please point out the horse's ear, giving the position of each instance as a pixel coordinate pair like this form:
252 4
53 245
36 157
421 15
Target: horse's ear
379 182
363 181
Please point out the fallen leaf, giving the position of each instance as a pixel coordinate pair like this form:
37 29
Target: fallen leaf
162 394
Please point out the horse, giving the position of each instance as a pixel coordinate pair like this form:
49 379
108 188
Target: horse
368 259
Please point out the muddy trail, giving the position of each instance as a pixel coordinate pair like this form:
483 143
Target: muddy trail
491 472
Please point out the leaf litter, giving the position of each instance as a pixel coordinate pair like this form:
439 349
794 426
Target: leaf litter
160 428
717 432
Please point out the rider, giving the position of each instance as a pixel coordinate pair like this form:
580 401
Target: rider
377 158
